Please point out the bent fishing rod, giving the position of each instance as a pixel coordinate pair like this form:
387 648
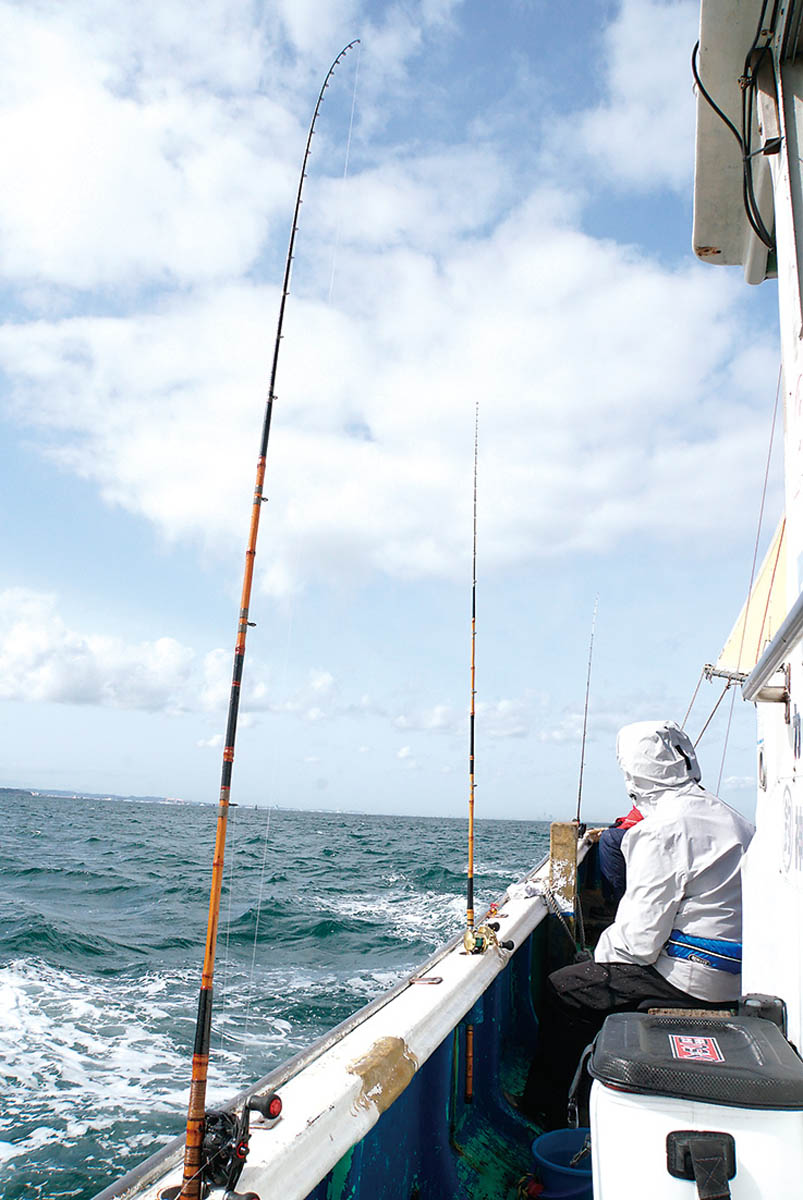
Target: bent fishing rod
191 1185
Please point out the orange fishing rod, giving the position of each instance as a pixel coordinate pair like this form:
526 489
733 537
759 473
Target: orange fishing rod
469 938
470 882
196 1112
477 938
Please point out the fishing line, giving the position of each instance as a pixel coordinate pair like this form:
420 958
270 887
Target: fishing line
585 710
196 1108
225 988
339 223
256 926
282 690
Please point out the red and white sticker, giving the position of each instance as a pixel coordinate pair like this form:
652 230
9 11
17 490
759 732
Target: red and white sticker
695 1049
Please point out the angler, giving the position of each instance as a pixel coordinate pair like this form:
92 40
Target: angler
678 928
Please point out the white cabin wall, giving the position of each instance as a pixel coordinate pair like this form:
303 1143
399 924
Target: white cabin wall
773 872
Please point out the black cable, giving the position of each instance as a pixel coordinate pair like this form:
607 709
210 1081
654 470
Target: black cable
748 83
748 101
743 139
706 96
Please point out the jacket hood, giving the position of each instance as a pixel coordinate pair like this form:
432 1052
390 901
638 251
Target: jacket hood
655 757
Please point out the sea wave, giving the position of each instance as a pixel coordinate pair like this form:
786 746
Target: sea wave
103 913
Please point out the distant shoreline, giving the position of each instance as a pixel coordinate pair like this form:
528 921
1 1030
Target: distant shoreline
66 794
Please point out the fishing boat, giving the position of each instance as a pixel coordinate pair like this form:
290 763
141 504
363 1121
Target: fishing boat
412 1097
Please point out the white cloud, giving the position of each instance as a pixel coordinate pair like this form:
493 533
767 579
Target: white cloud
41 659
215 742
318 30
504 718
494 719
167 170
171 152
642 135
439 719
738 783
321 682
417 201
582 444
567 728
125 178
405 757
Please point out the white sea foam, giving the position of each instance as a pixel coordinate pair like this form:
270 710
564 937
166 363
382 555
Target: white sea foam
406 916
94 1067
74 1044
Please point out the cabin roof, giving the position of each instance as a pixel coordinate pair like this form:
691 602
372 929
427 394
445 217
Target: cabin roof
721 231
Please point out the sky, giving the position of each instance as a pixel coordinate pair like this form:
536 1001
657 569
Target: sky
497 212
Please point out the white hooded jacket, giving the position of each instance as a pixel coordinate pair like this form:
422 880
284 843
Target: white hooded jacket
683 866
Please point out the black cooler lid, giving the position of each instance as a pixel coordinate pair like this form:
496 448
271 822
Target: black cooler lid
745 1062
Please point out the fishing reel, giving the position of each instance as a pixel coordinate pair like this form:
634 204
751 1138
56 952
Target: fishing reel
225 1147
226 1139
477 941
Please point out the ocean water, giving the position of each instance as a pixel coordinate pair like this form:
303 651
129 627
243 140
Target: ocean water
103 908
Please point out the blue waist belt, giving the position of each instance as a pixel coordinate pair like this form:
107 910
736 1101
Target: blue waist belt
711 952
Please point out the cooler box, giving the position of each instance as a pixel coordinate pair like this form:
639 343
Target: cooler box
674 1094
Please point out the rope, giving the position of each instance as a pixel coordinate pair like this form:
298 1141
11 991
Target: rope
551 902
711 715
752 575
691 702
339 226
770 590
578 916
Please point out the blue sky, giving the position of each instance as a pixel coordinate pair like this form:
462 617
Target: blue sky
513 227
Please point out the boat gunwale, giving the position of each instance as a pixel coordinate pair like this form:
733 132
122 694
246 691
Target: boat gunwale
153 1166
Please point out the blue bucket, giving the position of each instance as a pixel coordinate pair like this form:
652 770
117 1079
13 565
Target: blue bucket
552 1153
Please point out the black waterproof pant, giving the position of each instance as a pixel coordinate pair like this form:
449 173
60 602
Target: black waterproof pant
577 1001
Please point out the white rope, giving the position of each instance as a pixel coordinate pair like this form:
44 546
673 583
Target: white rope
752 573
691 702
339 225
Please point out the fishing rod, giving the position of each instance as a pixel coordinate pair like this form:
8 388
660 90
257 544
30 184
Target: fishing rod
470 883
585 710
196 1112
476 940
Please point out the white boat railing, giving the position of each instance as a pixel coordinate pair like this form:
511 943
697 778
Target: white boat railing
785 640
